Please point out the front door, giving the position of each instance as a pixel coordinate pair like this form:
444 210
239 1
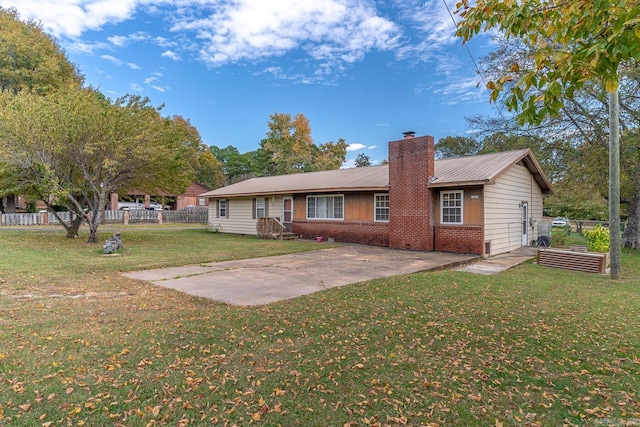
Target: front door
525 228
287 212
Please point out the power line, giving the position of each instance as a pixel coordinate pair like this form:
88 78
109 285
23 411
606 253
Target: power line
473 60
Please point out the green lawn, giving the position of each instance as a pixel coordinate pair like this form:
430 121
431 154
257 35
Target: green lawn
82 345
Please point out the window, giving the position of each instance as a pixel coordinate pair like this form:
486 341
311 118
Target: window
382 207
260 208
325 207
222 208
201 201
451 207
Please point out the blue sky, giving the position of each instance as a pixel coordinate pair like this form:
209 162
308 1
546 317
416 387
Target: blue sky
362 70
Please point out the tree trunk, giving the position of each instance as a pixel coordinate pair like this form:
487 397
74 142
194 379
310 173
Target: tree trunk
632 230
97 212
614 185
74 229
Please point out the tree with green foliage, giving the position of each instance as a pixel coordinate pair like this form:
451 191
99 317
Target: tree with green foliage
236 167
457 146
328 156
31 59
362 161
288 143
575 42
575 142
288 148
74 147
207 169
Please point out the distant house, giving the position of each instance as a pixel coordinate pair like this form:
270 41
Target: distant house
485 205
190 198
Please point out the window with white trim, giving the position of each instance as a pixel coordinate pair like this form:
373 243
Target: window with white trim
381 205
325 207
222 208
260 208
201 201
451 207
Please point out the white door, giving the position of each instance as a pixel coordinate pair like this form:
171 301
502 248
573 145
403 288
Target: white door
287 212
525 225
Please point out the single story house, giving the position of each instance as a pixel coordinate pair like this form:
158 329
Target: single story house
486 204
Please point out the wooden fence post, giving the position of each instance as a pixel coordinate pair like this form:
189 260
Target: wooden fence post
125 216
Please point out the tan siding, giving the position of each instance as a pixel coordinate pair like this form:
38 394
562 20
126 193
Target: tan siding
472 205
240 219
299 207
503 212
358 207
275 207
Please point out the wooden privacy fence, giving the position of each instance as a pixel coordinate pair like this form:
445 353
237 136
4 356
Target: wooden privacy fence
197 215
38 218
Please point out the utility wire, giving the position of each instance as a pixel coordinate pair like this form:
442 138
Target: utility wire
475 64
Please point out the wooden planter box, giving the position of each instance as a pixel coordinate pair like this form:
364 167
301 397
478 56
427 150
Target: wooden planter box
591 262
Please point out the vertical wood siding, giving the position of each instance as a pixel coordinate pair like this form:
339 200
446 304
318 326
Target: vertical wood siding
357 207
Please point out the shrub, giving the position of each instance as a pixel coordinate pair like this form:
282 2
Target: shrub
559 237
597 239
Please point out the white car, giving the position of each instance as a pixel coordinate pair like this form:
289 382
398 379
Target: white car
560 221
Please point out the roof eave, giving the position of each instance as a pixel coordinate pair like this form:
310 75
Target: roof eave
298 191
459 184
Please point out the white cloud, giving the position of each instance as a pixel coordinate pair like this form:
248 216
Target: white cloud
333 31
329 34
117 61
326 36
119 40
430 28
136 87
462 91
355 147
159 88
71 18
122 41
171 55
150 80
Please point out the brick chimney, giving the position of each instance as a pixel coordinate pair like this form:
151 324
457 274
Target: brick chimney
411 163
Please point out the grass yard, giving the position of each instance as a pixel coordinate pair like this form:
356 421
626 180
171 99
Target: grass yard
81 345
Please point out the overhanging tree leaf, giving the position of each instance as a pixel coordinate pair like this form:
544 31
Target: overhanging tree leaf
575 42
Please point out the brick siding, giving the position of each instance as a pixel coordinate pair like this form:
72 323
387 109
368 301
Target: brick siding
464 239
366 233
411 164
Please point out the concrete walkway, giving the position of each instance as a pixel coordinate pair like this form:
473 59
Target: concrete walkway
499 263
258 281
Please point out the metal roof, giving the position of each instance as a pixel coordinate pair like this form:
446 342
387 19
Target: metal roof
485 169
462 171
